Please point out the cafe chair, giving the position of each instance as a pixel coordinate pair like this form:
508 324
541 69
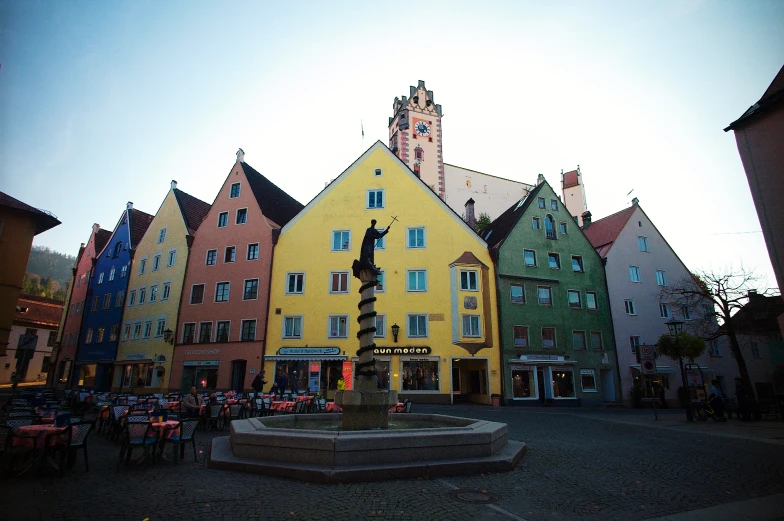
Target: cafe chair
407 405
56 447
186 433
141 435
13 450
115 427
215 416
300 407
79 433
235 411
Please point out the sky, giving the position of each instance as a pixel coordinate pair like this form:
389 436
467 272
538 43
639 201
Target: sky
102 103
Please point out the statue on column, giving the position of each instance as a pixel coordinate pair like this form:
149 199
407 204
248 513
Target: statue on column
367 251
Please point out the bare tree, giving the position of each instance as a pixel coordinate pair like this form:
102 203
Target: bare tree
711 298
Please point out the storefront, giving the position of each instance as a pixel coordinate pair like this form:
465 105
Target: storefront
140 373
316 370
215 366
550 379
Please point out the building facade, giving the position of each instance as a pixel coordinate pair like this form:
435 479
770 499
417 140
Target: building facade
492 195
436 339
223 309
105 300
555 326
145 350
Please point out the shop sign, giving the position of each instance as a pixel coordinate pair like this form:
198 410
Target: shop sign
201 363
348 374
551 358
425 350
561 368
201 351
135 356
309 351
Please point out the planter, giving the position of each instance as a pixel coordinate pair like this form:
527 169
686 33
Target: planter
496 400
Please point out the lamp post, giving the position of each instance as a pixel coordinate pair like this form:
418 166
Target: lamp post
395 331
676 326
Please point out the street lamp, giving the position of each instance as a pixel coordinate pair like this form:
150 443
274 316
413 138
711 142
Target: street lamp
676 326
395 331
168 336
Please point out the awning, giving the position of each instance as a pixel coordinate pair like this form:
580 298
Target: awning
663 369
542 362
305 357
133 362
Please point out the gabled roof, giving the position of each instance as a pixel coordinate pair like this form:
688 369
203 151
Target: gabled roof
140 221
602 233
38 311
759 315
101 238
468 258
773 96
193 210
273 202
570 179
44 220
498 230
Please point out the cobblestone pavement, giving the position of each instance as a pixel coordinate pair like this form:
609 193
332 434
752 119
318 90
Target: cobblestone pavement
580 464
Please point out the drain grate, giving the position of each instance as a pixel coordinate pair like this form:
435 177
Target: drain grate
474 496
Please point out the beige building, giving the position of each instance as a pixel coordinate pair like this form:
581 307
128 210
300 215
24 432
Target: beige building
491 194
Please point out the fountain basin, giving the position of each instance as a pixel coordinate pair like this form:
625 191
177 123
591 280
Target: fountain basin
453 445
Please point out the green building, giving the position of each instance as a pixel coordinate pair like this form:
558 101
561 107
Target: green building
556 339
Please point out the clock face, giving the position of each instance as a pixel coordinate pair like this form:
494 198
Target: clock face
422 128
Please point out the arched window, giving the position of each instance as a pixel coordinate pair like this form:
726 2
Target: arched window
549 227
117 248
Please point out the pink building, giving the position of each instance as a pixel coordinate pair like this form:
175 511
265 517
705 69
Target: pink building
223 308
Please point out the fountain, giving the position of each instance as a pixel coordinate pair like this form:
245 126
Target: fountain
358 444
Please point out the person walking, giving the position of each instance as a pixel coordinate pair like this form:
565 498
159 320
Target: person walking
259 382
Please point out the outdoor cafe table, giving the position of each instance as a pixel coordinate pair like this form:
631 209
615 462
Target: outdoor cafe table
166 429
41 432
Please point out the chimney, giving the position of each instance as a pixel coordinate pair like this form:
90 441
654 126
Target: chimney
635 201
173 184
470 218
752 294
96 227
586 220
540 179
240 156
129 206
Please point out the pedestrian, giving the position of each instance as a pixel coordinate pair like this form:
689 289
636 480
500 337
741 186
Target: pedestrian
282 382
258 382
659 394
192 403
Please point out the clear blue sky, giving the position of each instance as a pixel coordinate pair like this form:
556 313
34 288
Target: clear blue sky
106 102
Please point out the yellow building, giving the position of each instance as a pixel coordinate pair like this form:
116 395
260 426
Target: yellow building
144 353
436 340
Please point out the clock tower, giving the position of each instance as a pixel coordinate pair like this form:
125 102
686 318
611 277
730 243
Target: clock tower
415 136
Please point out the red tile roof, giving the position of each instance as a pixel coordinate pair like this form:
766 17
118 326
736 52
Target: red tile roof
45 220
570 179
773 97
602 233
40 311
101 238
193 210
274 202
497 231
140 221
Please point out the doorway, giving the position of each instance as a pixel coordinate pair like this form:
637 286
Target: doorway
608 385
470 380
238 375
540 383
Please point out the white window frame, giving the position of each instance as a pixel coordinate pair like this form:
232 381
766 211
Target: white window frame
247 251
635 341
375 191
557 260
242 329
533 254
468 280
131 298
539 298
203 292
579 259
142 295
339 273
381 242
207 257
234 254
228 330
473 320
417 290
160 327
153 294
111 274
220 217
142 265
579 299
161 235
156 262
408 237
593 374
171 258
237 216
642 243
244 289
661 277
345 320
634 274
382 332
664 310
231 190
595 301
332 241
629 307
289 275
147 331
511 296
293 318
408 323
166 290
100 278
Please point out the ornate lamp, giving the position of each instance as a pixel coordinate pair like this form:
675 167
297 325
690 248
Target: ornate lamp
168 336
395 331
675 326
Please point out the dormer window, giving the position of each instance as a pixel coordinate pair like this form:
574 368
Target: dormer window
419 154
117 249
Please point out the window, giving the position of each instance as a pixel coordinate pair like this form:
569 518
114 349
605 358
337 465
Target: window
588 380
563 228
664 310
380 284
630 309
590 300
153 293
124 271
417 280
554 261
574 299
99 335
381 330
172 258
554 205
417 326
375 198
419 153
126 332
253 251
132 298
548 337
242 216
160 327
197 293
137 331
468 280
518 294
248 331
535 223
756 352
118 303
142 266
235 191
661 278
223 219
341 240
156 263
520 336
338 326
596 340
420 375
541 203
634 343
166 291
549 227
292 327
642 243
230 253
563 382
544 296
188 333
296 283
416 237
578 340
111 274
381 242
88 339
205 332
222 331
222 291
51 339
251 290
339 282
714 349
107 301
530 257
472 326
148 329
162 235
686 313
212 257
577 263
96 303
634 273
100 278
117 250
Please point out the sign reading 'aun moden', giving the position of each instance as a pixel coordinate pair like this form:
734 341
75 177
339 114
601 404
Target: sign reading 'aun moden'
402 350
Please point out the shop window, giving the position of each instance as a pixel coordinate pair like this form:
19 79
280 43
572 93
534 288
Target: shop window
523 383
588 380
420 375
563 383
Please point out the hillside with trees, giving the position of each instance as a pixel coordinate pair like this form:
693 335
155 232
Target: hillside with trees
48 273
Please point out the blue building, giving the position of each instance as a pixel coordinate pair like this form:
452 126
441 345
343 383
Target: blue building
103 308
